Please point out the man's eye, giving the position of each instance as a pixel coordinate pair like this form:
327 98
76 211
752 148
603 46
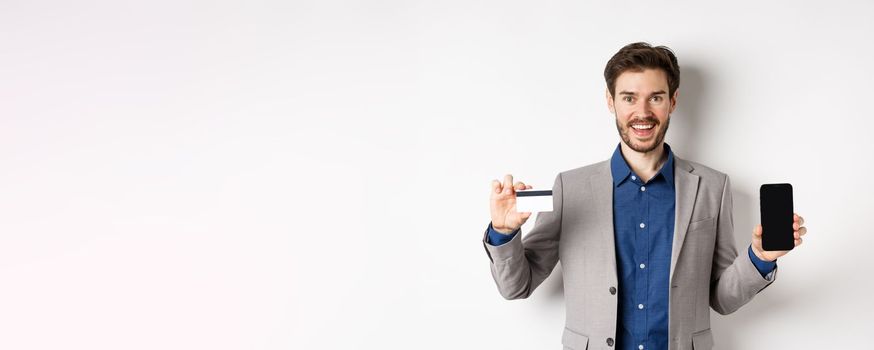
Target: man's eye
627 98
656 98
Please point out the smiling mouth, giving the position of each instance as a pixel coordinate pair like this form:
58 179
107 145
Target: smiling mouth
643 129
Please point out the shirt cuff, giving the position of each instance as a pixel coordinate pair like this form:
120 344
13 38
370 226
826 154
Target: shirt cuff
496 238
764 267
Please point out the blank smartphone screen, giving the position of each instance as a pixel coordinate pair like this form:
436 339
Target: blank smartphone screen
777 217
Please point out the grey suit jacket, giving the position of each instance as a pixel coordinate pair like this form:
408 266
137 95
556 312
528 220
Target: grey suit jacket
706 270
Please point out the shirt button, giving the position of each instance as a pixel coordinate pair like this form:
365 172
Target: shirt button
633 177
642 225
643 266
643 188
640 306
612 290
640 346
609 341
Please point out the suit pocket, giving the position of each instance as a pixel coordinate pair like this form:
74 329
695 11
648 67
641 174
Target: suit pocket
573 340
708 223
702 340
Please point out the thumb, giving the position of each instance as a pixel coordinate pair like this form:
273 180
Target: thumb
757 237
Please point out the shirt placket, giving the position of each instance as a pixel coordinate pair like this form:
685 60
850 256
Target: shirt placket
641 258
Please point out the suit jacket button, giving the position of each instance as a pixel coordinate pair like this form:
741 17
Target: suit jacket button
612 290
609 341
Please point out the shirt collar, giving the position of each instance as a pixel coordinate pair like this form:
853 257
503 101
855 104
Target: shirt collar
620 169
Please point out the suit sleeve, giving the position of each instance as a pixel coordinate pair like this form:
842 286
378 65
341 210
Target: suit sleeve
520 265
734 278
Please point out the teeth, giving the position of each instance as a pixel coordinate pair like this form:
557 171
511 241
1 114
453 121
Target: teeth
642 126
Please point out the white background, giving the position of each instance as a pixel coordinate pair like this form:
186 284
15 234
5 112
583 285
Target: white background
315 175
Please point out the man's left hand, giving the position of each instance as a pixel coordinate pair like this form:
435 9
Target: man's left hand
765 255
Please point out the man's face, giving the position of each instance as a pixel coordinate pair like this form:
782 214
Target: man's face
642 108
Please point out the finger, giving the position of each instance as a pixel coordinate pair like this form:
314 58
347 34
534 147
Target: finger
798 242
798 219
508 183
801 231
496 186
529 187
526 215
519 185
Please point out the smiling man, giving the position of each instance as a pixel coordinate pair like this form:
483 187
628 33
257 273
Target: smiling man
646 239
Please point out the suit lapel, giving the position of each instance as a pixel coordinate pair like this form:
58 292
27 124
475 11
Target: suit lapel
686 185
602 186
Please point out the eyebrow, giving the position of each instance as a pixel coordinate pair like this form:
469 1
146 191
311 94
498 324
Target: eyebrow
660 92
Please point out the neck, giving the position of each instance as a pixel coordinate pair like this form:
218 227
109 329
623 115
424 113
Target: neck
645 164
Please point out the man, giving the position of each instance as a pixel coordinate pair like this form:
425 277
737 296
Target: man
646 239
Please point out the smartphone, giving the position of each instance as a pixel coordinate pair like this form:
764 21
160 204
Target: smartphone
775 201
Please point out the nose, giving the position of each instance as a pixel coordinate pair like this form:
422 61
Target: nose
643 110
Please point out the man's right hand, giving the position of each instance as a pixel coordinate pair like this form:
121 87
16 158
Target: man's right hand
505 218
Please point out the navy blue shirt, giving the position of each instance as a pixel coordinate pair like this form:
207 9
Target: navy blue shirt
643 222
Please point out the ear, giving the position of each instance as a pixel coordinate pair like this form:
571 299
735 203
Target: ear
610 101
674 100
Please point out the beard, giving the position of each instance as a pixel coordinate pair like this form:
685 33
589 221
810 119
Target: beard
625 134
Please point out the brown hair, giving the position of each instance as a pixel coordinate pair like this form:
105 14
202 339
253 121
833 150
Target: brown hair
638 56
